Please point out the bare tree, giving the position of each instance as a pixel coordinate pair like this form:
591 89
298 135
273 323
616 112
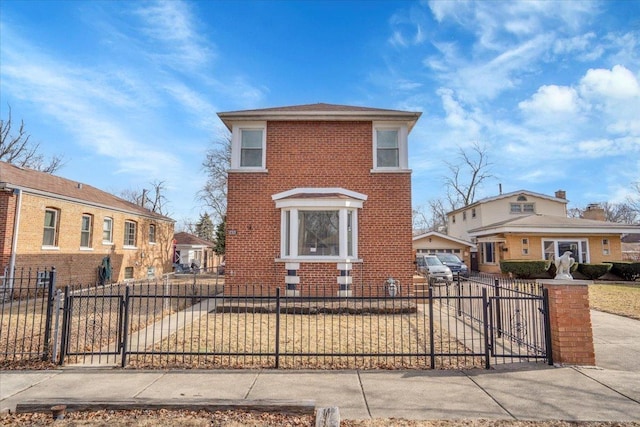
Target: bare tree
467 176
153 199
216 165
634 200
16 148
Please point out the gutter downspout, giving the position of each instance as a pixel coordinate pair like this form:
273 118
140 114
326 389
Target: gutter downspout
14 240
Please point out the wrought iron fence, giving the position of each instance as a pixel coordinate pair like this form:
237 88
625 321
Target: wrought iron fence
27 298
200 324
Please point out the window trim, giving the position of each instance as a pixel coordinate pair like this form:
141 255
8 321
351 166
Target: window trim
56 228
583 248
135 235
236 146
493 253
328 199
89 244
403 158
110 220
152 239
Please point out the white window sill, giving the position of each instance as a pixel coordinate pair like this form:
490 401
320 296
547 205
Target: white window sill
50 248
87 249
152 243
249 170
129 247
390 170
332 260
107 243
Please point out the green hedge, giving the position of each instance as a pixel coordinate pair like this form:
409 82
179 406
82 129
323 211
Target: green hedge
523 269
593 271
626 270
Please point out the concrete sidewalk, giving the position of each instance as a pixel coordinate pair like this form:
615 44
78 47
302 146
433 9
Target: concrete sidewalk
522 392
609 392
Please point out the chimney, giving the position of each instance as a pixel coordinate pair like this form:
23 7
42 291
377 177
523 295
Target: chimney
561 194
594 211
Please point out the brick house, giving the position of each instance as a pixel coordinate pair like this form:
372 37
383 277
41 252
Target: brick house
319 197
47 221
524 225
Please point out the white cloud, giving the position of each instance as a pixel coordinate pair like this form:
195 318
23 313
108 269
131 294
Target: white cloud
617 83
552 99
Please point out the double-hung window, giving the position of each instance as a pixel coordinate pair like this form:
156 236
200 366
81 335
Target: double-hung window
130 233
152 233
389 147
85 231
107 230
248 147
319 223
51 224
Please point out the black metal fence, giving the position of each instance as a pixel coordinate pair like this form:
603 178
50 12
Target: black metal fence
198 323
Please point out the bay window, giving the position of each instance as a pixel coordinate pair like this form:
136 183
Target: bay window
319 224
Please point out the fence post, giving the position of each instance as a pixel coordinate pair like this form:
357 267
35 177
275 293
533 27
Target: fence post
431 332
125 328
277 328
48 320
485 305
66 313
496 287
547 325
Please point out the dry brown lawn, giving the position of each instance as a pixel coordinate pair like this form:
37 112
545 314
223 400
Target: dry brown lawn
621 299
252 419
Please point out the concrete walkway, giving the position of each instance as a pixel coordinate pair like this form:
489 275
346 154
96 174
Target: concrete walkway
608 392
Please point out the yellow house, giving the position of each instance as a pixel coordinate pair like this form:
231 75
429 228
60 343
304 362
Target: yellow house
49 221
524 225
433 242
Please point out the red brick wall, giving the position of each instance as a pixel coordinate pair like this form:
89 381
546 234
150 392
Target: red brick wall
570 322
8 205
319 154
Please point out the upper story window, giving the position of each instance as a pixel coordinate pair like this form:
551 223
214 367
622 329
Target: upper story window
248 147
453 219
152 233
516 208
319 228
473 212
464 215
130 233
86 231
107 230
51 227
389 146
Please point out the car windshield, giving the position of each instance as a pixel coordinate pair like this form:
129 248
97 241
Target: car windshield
448 258
433 261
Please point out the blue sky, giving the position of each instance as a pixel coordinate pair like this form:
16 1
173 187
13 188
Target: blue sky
128 91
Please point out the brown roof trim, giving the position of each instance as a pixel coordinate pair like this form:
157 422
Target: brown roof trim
319 112
47 185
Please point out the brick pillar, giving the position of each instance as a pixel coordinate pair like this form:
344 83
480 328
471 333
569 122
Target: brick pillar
570 321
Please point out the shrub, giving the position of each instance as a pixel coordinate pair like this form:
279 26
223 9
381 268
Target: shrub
626 270
593 271
522 269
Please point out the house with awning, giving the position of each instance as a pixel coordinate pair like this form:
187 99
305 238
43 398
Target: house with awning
524 225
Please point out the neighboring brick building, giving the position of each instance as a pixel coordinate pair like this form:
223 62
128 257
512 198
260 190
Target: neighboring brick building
48 221
319 196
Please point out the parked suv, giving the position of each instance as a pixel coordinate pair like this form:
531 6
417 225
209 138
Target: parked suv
437 272
454 263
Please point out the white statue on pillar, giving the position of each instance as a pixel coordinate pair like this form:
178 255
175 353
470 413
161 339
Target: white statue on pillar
563 266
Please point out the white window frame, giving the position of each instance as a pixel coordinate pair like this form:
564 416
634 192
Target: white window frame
583 248
236 147
88 232
347 208
493 252
125 241
55 228
152 234
108 220
403 156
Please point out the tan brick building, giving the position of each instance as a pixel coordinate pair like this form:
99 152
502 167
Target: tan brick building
48 221
319 197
